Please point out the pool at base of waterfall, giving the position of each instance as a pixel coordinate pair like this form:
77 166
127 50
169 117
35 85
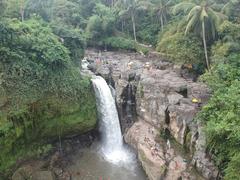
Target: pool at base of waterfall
90 164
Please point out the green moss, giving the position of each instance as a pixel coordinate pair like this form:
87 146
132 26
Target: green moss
24 134
77 122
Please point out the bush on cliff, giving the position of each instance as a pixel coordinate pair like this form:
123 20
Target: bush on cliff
222 112
42 95
181 49
122 43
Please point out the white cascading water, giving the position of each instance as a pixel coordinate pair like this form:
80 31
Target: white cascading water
112 143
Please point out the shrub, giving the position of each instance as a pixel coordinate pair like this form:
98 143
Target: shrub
222 113
181 49
121 43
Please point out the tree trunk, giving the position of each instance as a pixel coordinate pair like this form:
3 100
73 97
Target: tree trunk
122 25
60 143
205 45
161 20
134 26
22 10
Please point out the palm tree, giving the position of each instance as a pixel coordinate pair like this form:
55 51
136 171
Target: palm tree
131 7
162 8
22 9
2 7
201 19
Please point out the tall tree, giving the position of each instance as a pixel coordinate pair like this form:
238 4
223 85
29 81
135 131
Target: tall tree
202 19
131 7
43 8
162 9
2 7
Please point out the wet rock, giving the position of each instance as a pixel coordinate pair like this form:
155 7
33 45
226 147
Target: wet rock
141 137
43 175
103 71
131 76
178 166
158 161
201 160
92 67
180 118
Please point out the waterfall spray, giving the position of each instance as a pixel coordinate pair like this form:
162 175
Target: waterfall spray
112 146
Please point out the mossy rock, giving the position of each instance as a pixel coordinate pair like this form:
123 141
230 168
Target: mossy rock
69 125
25 131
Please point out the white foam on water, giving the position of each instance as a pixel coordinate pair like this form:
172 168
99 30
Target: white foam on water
112 146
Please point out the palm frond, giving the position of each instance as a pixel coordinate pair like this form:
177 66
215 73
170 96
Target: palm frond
217 17
191 23
183 7
144 5
193 11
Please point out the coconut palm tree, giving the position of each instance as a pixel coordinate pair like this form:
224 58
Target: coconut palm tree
162 9
22 9
131 7
2 7
202 19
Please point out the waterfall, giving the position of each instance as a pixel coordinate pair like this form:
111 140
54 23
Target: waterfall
112 146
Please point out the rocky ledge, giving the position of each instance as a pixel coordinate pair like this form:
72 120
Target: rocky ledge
157 105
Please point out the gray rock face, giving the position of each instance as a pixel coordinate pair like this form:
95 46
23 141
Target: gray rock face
163 102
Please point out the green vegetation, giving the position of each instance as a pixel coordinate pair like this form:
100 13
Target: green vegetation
223 110
181 49
43 96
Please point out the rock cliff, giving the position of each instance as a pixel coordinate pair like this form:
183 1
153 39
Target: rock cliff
157 106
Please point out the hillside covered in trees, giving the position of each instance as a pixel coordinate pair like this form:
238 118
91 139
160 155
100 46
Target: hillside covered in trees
44 96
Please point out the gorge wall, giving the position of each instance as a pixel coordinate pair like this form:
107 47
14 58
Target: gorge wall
157 114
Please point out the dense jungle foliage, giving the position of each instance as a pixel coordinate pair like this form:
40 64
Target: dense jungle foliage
42 42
